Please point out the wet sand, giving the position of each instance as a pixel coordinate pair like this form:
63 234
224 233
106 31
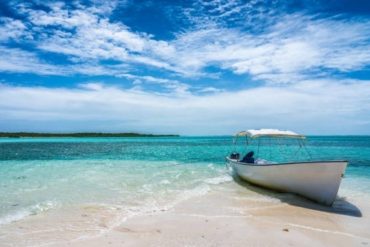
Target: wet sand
230 214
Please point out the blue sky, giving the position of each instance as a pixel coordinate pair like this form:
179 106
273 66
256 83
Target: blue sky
186 67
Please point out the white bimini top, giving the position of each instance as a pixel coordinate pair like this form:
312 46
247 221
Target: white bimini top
270 133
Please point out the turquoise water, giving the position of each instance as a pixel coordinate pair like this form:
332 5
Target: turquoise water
41 174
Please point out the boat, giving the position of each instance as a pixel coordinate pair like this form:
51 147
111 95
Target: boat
316 180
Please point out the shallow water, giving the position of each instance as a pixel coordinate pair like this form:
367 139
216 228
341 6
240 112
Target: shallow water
139 174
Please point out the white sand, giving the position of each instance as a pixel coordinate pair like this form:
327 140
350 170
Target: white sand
230 214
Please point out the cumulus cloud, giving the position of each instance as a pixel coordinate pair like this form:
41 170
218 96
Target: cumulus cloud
306 107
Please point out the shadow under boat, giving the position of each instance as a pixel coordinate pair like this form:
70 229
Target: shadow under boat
340 205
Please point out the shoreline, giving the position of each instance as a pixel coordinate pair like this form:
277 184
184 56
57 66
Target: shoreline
16 135
230 214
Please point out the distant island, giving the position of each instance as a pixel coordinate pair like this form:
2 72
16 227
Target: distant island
87 134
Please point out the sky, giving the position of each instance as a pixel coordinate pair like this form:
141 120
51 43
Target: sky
202 67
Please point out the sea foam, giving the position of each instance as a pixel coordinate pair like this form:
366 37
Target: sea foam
28 211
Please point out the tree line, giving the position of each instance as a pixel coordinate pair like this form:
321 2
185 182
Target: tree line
82 134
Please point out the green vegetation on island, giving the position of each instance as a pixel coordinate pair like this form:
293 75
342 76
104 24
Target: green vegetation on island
82 134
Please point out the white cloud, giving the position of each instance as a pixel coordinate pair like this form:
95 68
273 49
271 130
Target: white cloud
210 90
21 61
11 29
293 46
95 86
85 34
285 50
281 52
17 60
174 87
309 107
254 14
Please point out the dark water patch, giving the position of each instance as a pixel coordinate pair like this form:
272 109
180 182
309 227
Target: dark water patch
355 149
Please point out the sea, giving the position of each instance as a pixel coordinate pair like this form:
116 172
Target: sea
124 177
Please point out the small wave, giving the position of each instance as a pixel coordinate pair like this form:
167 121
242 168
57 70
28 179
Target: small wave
14 217
25 212
197 191
152 206
219 180
164 181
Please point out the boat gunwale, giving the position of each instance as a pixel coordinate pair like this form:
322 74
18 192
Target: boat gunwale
286 163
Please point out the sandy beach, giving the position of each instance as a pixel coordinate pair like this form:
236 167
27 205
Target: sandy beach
130 123
230 214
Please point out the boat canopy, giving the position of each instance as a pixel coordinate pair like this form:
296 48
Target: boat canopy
270 133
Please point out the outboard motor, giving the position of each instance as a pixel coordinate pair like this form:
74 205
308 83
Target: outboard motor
235 156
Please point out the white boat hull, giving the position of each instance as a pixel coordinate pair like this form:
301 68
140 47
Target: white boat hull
318 181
